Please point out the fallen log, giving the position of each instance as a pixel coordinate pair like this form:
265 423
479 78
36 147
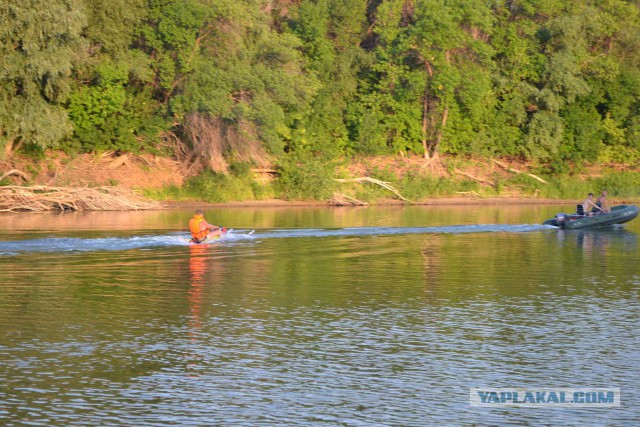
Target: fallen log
382 184
44 198
15 172
514 170
340 199
475 178
119 161
470 193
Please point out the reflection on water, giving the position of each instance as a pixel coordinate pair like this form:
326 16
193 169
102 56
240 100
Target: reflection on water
326 317
197 268
279 217
599 240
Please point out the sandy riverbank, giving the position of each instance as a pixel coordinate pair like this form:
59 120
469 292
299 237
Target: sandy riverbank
133 173
441 201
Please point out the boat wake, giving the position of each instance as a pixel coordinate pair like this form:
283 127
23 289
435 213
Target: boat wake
386 231
71 244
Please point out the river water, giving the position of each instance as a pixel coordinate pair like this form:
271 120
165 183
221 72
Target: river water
382 316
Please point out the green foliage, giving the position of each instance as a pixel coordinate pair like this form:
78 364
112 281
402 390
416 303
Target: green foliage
109 115
168 192
619 184
418 186
217 188
583 133
301 84
33 151
228 62
329 32
560 187
565 186
304 177
544 137
41 41
212 187
111 24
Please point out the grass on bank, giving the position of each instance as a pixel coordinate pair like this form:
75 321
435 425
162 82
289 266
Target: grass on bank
240 185
208 186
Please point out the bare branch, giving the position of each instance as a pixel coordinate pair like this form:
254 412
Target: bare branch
382 184
475 178
15 172
510 169
41 198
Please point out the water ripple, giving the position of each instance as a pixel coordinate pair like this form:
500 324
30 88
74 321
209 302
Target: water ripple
390 366
68 244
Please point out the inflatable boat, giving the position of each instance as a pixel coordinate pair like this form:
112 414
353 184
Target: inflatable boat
618 215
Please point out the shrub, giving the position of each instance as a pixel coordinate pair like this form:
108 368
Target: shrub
215 187
306 177
619 184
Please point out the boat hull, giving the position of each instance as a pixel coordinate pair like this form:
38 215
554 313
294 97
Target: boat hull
618 215
209 239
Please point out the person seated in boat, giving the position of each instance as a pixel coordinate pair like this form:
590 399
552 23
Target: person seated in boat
601 202
201 229
589 206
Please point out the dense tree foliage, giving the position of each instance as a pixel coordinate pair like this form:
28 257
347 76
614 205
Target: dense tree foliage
39 45
304 82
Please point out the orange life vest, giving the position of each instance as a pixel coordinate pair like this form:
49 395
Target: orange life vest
194 227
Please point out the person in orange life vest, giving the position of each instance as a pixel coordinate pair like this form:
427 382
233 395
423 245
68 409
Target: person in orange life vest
201 229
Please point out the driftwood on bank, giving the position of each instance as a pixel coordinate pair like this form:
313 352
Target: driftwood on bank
514 170
340 199
471 193
15 172
475 178
122 160
382 184
42 198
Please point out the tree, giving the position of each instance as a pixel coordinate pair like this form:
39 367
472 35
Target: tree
330 32
111 105
111 26
112 113
231 82
425 51
41 42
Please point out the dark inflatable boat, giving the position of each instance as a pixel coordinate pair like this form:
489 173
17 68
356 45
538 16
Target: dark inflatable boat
618 215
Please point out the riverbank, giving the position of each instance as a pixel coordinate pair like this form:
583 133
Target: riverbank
122 203
442 201
364 181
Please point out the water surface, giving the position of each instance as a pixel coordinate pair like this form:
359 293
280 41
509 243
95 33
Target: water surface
324 316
